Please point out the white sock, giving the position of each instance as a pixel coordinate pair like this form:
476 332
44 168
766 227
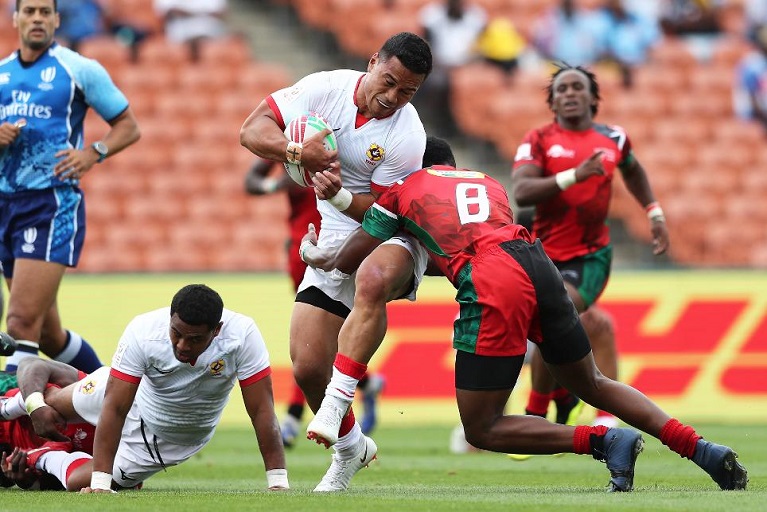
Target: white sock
12 407
72 348
25 349
341 386
346 445
57 463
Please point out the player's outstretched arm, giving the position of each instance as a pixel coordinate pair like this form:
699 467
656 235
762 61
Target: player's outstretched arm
259 404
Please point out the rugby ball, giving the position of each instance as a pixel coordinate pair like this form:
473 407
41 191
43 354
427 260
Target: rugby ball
300 129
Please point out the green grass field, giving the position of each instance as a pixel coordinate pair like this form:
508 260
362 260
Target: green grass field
416 472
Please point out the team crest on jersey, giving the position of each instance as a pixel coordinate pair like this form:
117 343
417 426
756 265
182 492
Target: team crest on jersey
216 367
375 153
47 76
5 78
30 236
88 387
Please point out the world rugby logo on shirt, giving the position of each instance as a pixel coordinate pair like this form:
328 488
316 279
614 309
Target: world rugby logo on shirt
30 236
47 76
216 367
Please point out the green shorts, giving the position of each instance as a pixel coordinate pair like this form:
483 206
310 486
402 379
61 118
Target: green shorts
588 274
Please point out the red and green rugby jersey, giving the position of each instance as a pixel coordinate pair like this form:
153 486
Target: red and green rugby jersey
455 213
572 223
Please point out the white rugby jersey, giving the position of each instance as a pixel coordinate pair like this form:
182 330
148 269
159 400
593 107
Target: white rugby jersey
180 402
376 154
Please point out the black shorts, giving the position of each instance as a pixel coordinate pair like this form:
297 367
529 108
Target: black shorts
317 298
486 373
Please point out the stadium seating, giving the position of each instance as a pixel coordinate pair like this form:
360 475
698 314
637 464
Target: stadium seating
175 201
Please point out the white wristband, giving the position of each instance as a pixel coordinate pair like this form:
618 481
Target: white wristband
305 245
34 401
277 478
342 200
565 179
101 480
655 212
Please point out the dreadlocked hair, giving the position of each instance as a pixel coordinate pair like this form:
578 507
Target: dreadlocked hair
593 85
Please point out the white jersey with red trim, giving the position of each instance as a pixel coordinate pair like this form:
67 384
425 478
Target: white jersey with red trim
182 402
376 154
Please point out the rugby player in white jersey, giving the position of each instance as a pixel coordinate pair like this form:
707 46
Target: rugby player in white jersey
170 379
380 140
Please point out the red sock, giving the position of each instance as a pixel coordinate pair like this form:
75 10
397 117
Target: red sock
76 464
582 438
679 437
347 423
297 398
350 367
538 403
560 394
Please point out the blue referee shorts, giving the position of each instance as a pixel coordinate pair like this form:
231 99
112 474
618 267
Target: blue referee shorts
46 225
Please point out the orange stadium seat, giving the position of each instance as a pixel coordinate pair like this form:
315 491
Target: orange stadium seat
210 79
661 78
110 52
261 78
673 53
104 258
231 51
729 49
158 52
315 13
151 79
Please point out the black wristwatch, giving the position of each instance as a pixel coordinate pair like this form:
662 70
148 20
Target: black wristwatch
100 148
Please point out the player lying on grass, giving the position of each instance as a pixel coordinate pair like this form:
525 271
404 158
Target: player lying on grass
509 291
18 436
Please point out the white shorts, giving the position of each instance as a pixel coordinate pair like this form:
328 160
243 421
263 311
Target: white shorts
342 289
140 454
88 395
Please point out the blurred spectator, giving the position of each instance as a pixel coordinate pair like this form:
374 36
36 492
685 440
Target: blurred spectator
698 21
684 17
756 13
191 21
750 91
501 44
84 19
570 34
452 28
631 36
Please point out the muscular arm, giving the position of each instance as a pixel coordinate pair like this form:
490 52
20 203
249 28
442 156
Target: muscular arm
118 399
124 132
531 186
33 375
346 258
262 135
259 403
638 185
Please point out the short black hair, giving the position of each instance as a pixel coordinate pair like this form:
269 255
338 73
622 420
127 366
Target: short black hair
197 304
592 78
412 51
438 152
55 5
